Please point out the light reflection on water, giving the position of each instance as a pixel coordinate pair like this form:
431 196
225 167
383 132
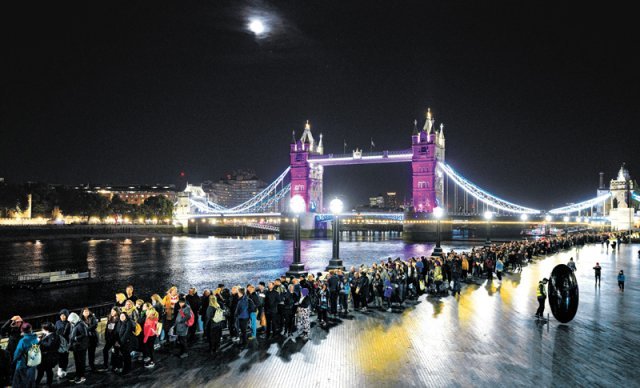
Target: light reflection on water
153 265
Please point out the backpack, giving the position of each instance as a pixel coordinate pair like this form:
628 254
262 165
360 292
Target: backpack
64 345
218 316
191 319
34 357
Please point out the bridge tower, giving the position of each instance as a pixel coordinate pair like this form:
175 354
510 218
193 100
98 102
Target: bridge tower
620 205
428 146
306 178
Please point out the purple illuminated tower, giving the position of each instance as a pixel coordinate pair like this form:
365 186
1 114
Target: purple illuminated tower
427 146
306 178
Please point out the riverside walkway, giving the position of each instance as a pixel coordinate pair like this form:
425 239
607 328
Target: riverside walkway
485 337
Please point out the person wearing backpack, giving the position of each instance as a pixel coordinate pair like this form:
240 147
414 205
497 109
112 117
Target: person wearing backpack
79 343
215 324
49 345
63 330
26 357
184 320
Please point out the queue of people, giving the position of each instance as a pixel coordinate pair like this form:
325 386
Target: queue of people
277 310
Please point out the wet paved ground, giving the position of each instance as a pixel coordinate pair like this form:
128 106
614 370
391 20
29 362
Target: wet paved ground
486 337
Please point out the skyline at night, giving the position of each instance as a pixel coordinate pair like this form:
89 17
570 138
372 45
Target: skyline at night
535 101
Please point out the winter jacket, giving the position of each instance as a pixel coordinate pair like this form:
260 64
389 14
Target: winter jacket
14 334
271 301
194 302
20 354
256 302
110 333
183 316
92 325
124 333
150 325
79 338
49 345
244 307
63 329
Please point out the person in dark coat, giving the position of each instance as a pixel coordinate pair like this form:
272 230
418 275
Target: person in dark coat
289 299
271 302
194 303
243 313
63 329
49 345
180 328
110 338
79 343
334 291
11 329
91 321
124 340
5 368
363 284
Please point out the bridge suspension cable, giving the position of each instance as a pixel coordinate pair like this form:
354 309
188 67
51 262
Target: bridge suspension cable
265 199
581 205
482 195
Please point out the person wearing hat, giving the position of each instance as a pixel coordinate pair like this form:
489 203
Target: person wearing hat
24 375
79 343
63 329
11 329
541 294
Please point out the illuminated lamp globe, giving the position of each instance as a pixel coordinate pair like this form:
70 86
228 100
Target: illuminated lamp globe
488 215
336 206
256 26
524 217
548 218
438 212
297 204
565 218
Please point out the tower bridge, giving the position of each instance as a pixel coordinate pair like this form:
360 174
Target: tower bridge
434 183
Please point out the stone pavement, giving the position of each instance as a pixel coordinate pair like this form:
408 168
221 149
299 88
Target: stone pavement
485 337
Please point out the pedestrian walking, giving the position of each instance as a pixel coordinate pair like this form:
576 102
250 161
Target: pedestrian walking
541 294
621 280
597 270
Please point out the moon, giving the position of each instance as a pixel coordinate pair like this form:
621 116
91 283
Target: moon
256 26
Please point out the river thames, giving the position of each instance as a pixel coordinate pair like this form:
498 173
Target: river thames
152 265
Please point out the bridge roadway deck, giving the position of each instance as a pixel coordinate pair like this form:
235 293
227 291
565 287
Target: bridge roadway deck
487 337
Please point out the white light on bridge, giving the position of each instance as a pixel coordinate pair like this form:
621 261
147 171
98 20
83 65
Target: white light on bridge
438 212
336 206
488 215
548 218
297 204
524 217
565 218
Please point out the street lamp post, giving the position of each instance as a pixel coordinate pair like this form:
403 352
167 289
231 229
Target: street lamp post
336 206
297 206
488 215
437 213
524 218
547 226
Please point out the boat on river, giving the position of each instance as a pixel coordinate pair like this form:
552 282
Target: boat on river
52 279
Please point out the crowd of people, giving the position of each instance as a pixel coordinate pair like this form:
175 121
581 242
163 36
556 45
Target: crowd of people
278 310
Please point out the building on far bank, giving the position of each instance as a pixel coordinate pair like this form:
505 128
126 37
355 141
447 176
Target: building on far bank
132 194
234 188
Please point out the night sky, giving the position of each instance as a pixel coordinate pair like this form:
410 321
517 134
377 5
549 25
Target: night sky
536 98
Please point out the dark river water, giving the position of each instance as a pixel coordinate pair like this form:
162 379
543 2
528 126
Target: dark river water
152 265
